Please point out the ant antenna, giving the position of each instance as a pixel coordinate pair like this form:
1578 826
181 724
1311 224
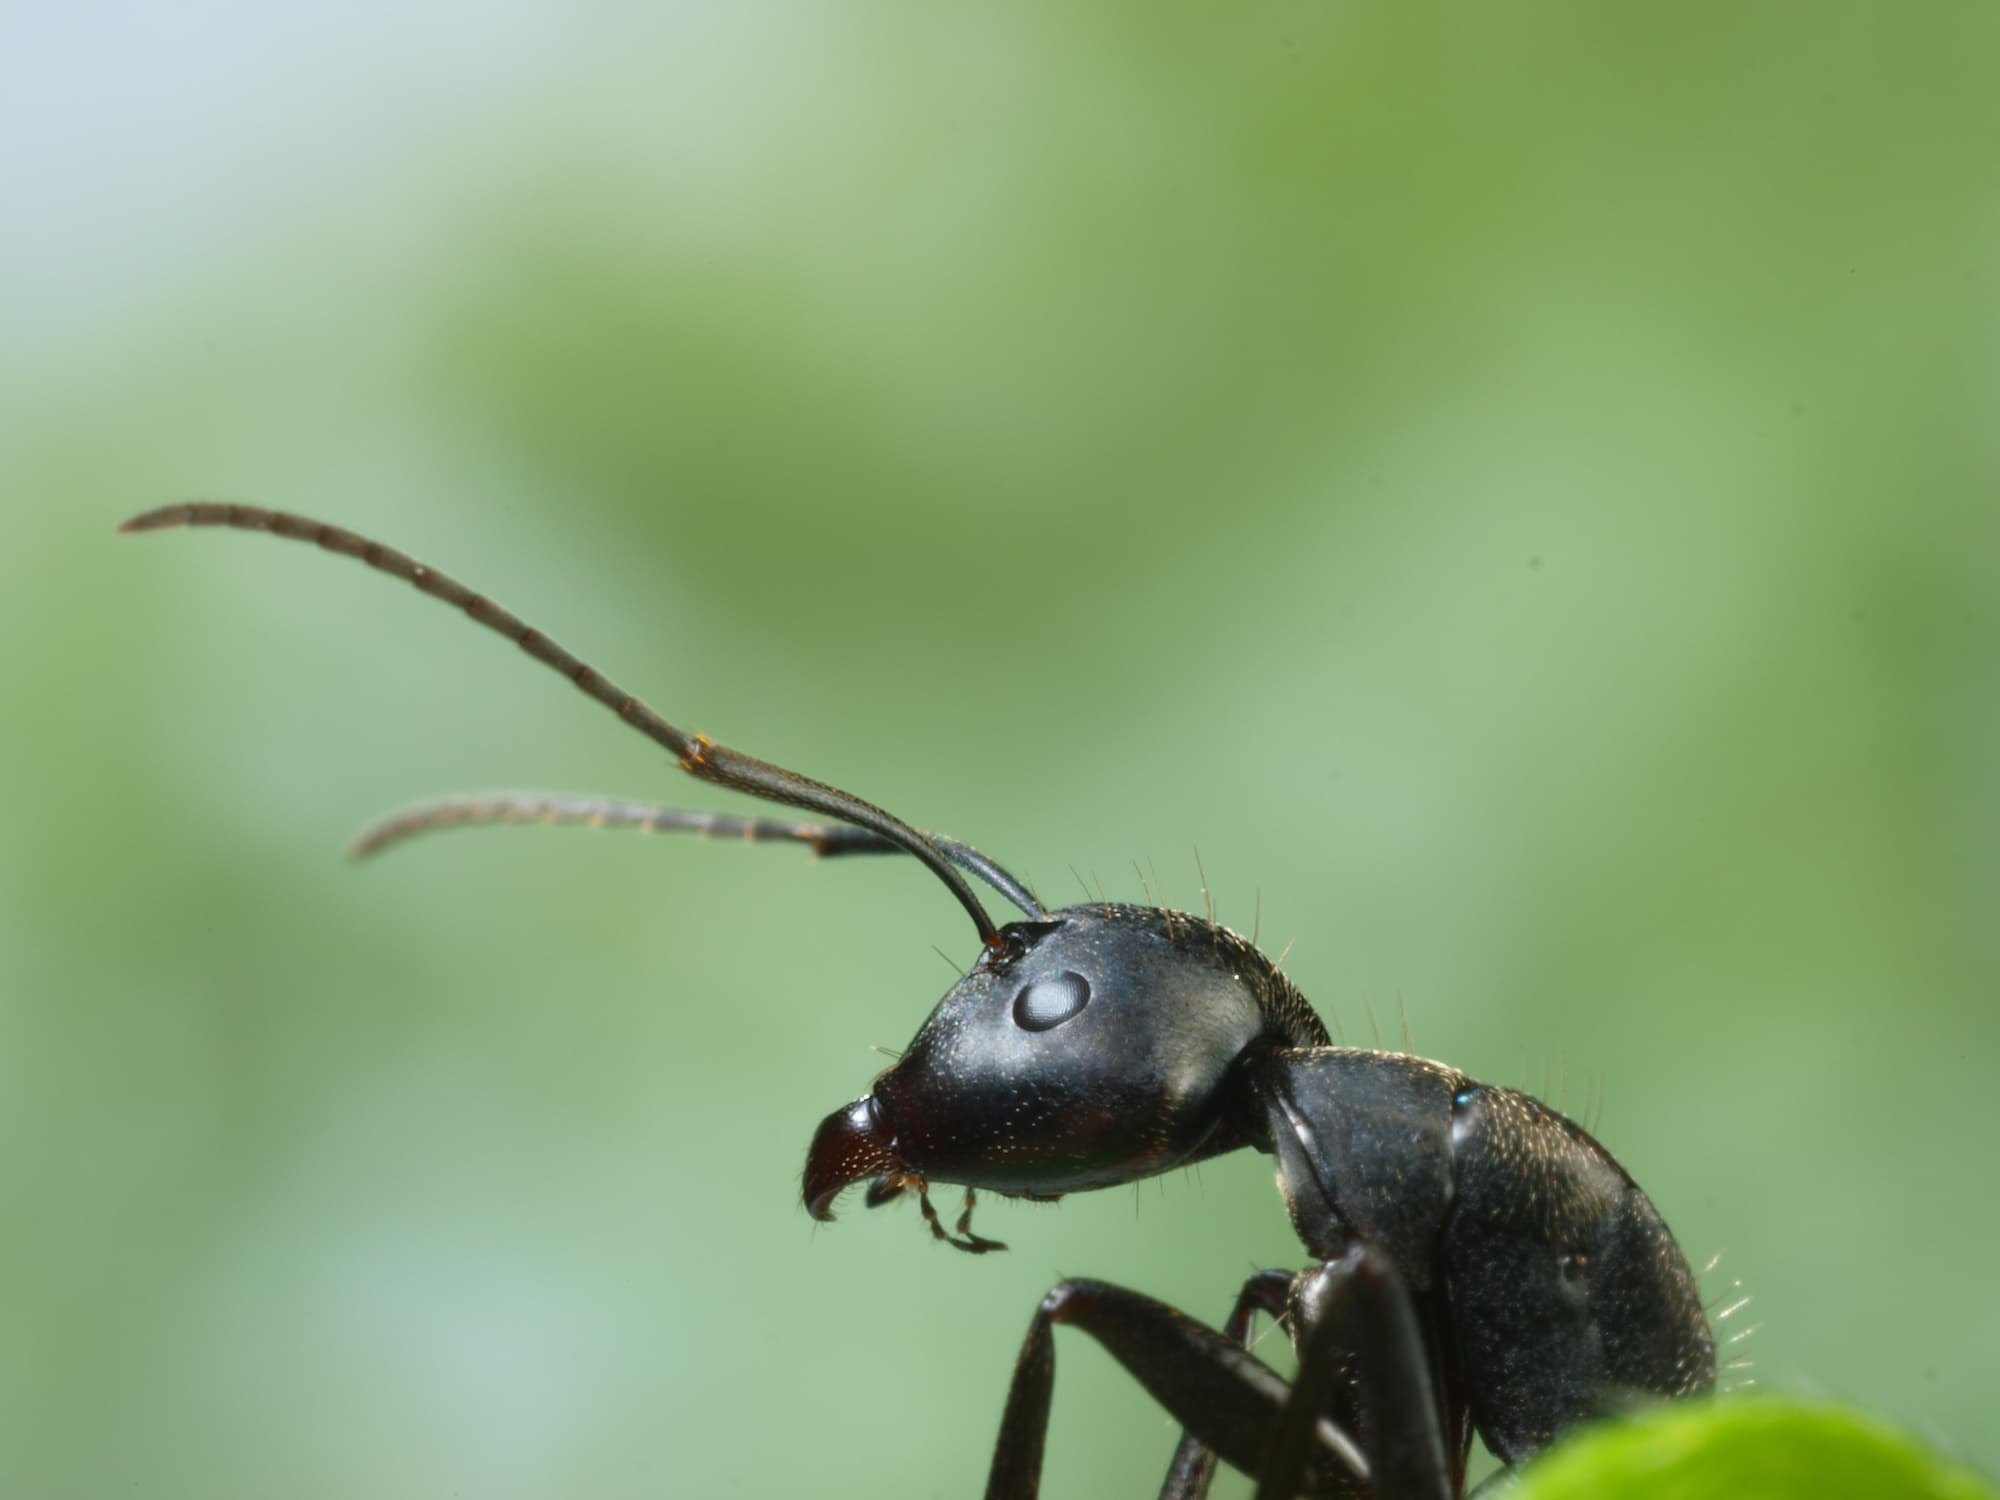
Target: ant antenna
697 754
827 840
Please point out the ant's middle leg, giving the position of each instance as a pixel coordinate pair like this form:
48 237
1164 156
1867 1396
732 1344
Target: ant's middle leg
1193 1468
1225 1396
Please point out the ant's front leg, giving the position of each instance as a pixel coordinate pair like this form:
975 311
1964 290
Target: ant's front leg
1229 1400
1365 1379
1193 1468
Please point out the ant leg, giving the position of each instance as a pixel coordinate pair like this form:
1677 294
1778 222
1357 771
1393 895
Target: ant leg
1364 1370
1228 1398
1193 1466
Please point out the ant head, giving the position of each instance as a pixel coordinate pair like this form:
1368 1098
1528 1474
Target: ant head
1093 1048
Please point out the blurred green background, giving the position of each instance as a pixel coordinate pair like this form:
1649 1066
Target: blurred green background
1514 486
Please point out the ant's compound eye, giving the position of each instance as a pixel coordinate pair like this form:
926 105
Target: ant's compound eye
1047 1003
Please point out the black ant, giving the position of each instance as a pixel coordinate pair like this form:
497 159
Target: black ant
1481 1264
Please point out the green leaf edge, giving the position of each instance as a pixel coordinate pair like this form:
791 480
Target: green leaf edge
1770 1449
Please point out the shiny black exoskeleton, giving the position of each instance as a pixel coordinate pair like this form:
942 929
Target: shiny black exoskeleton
1480 1263
1483 1263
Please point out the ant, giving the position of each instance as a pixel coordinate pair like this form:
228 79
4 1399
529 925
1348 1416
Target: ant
1479 1262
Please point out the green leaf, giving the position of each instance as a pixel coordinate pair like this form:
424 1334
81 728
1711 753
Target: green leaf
1766 1449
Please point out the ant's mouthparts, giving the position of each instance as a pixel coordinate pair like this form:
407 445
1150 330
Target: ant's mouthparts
850 1144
